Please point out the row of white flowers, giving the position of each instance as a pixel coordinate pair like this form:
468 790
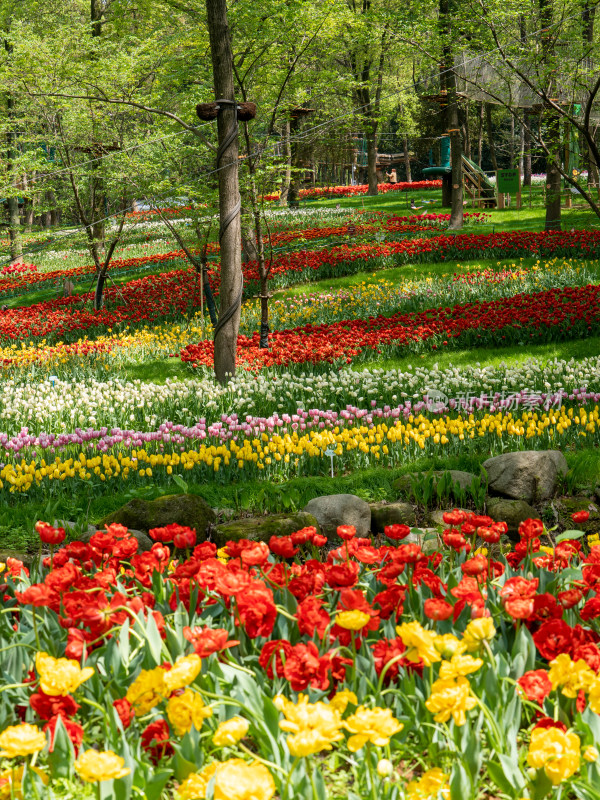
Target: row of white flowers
57 405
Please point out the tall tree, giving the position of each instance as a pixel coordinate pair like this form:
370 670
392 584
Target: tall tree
231 286
366 42
448 87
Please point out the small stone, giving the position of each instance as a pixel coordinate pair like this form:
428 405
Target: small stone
436 517
144 541
340 509
260 529
183 509
383 514
72 529
513 512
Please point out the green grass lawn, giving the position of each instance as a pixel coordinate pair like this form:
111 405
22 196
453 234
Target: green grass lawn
529 217
416 272
488 356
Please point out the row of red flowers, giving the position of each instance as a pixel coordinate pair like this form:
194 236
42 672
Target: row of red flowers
361 188
566 312
27 277
545 316
142 301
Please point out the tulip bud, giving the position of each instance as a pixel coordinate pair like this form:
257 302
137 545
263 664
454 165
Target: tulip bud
385 768
590 753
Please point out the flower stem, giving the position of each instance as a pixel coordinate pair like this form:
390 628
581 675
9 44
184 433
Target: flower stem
370 769
286 785
258 758
35 628
312 783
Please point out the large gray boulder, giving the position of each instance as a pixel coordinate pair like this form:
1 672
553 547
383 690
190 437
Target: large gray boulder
528 475
383 514
340 509
513 512
183 509
260 529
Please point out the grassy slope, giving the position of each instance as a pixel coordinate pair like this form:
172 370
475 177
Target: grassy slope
17 521
527 218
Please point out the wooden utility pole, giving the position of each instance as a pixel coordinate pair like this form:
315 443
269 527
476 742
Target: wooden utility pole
226 330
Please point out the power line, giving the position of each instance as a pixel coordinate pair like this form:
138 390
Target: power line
296 138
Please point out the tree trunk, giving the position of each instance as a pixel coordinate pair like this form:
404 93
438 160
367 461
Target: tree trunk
526 149
371 162
466 129
553 176
232 281
12 202
490 135
456 213
287 156
511 150
293 194
47 215
593 171
407 161
448 77
480 136
587 16
249 249
97 179
521 149
28 212
54 212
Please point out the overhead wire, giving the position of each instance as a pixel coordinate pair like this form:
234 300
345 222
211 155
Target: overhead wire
301 136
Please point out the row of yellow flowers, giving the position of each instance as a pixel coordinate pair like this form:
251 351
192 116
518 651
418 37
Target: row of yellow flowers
292 452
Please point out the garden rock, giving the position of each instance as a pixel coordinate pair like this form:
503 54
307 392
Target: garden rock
428 539
144 541
528 475
437 517
260 529
569 505
340 509
26 558
72 528
513 512
403 484
383 514
183 509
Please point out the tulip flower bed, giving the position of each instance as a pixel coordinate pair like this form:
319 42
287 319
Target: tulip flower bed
169 295
282 448
173 295
546 316
319 192
30 278
51 408
408 671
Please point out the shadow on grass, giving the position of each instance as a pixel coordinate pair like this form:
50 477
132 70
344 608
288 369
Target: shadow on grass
490 356
157 371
